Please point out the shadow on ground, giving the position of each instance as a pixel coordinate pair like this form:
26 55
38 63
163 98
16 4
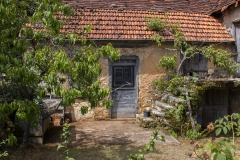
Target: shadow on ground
96 140
90 152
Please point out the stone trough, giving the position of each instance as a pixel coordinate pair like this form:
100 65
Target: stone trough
47 108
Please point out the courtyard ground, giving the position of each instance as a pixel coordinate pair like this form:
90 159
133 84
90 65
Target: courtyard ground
108 140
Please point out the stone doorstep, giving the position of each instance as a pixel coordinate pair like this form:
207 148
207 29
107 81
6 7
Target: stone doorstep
172 99
157 113
147 119
121 119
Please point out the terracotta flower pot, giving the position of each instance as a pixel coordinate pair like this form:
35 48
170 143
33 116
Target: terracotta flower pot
56 119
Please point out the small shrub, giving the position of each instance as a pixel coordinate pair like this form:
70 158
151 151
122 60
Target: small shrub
196 135
66 136
174 134
167 62
227 124
156 24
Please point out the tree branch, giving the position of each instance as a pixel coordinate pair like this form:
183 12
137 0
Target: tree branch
190 109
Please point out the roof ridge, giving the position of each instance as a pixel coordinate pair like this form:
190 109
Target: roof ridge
137 11
196 6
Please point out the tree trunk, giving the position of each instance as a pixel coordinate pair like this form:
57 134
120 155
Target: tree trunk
190 110
26 135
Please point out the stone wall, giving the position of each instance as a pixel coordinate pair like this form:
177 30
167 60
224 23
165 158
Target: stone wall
74 111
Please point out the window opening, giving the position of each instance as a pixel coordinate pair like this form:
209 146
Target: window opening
123 76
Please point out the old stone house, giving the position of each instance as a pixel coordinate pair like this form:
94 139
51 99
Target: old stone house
124 25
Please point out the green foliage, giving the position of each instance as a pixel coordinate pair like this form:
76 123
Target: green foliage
66 136
227 124
171 83
156 24
7 138
6 127
152 145
168 63
221 58
158 39
220 150
10 141
173 133
3 153
137 156
36 62
198 134
224 148
177 120
160 85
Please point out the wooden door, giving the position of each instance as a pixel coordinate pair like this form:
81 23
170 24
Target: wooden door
215 105
124 87
197 64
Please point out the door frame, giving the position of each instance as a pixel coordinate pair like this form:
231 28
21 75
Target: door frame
136 76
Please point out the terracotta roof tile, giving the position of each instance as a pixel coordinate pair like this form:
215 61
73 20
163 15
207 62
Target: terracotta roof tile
114 24
132 25
191 6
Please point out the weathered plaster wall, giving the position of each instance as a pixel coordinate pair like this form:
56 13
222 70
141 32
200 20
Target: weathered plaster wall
230 16
231 20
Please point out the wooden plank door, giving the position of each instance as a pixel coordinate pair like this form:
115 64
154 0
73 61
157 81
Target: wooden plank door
215 105
124 87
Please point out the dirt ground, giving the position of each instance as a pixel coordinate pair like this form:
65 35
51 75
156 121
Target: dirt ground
109 132
107 140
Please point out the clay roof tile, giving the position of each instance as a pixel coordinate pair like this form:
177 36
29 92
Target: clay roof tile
195 27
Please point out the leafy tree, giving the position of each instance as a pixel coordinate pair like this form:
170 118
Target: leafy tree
178 84
33 51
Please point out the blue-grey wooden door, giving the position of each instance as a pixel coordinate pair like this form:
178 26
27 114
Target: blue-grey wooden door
124 87
215 105
124 103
